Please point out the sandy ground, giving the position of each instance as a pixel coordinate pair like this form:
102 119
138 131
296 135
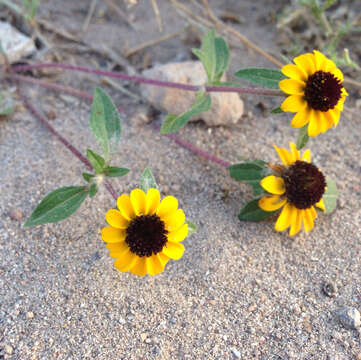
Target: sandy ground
241 290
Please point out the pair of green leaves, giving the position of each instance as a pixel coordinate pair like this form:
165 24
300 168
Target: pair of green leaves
252 172
214 55
106 126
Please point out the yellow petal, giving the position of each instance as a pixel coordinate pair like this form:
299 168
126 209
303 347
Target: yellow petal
178 235
284 220
113 235
294 103
323 122
137 199
117 249
125 207
139 268
307 220
313 212
306 62
273 185
173 250
163 259
167 206
175 220
271 203
114 218
152 201
335 113
325 64
296 217
126 261
292 87
153 265
340 103
300 119
321 205
314 127
337 73
294 152
284 156
307 156
294 72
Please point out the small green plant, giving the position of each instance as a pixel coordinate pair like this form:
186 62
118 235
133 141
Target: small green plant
28 10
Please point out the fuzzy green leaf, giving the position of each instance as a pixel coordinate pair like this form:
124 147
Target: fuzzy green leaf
192 228
147 180
114 171
96 160
93 190
302 137
251 173
268 78
222 57
330 196
252 212
105 122
58 205
277 110
174 122
88 177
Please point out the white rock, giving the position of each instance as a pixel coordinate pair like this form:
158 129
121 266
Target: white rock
15 44
349 317
227 108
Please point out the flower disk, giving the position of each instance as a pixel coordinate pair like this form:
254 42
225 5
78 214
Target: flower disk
304 183
316 92
144 232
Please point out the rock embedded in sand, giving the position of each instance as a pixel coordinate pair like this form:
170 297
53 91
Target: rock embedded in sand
226 109
349 317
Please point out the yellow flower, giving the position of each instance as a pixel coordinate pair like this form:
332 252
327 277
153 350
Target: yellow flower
145 232
316 92
297 186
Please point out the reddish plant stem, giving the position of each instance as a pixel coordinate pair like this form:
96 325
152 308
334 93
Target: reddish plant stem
140 79
64 141
85 95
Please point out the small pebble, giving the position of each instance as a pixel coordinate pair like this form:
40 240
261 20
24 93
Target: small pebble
236 353
8 349
29 315
349 317
143 336
16 214
329 289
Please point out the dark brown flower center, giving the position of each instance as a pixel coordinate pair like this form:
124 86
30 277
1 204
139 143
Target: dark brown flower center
146 235
323 91
305 184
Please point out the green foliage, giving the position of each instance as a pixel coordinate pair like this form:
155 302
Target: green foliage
105 123
252 212
96 160
88 177
58 205
192 228
114 171
6 106
147 180
251 172
31 8
268 78
302 137
214 55
174 122
277 110
330 196
93 190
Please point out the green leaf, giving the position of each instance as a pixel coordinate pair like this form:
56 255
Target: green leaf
114 171
105 122
268 78
96 160
93 190
6 106
302 137
277 110
252 212
192 228
147 180
330 196
251 173
58 205
174 122
88 177
214 55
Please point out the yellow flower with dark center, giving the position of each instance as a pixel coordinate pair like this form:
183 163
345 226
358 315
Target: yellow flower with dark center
296 187
145 232
316 92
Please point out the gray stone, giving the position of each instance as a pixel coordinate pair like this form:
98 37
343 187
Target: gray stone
227 108
236 353
349 317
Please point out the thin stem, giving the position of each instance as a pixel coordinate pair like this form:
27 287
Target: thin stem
64 141
85 95
143 80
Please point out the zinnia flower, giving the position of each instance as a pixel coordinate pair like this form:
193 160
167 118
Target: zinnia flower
297 186
316 92
145 232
